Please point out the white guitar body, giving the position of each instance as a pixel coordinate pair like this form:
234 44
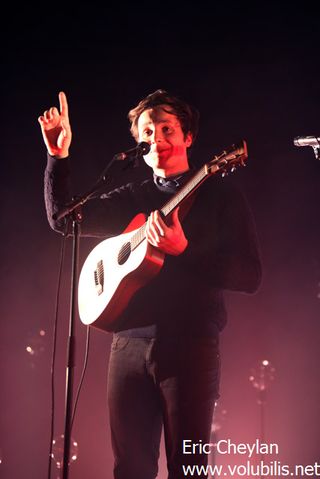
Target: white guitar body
106 286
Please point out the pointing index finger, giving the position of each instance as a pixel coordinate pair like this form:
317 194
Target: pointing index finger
63 104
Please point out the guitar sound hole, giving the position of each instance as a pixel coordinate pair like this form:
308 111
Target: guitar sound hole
124 253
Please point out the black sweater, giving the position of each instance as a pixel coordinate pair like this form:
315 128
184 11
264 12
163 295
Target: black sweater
186 297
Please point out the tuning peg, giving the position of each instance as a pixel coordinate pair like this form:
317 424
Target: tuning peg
233 169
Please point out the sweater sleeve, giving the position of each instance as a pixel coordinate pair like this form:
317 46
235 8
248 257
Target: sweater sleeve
223 247
56 189
238 261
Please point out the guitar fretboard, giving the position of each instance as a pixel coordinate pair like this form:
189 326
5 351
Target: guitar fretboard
175 201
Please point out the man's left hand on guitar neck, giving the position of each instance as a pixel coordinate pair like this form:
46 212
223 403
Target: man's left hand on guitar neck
169 238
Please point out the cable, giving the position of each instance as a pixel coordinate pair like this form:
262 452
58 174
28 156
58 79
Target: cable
82 375
62 252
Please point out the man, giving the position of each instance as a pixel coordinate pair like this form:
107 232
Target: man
164 366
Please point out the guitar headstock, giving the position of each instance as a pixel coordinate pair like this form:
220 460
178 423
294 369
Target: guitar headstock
228 160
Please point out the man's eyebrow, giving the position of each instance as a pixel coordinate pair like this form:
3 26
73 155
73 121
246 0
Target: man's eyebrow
169 120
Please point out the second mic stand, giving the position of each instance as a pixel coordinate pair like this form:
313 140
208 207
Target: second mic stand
73 211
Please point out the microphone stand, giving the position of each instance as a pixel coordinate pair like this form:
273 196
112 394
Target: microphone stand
73 211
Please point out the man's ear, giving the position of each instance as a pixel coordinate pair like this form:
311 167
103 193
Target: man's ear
189 139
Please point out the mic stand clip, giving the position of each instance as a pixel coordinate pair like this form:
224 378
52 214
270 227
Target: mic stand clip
316 151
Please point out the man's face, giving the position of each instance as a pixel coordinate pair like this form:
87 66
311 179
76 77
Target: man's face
162 130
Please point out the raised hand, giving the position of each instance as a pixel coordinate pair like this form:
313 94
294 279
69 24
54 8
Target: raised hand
169 238
56 130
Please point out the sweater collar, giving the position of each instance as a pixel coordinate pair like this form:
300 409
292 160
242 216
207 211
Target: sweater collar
172 183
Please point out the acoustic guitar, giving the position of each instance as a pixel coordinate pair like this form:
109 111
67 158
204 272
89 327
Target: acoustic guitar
119 266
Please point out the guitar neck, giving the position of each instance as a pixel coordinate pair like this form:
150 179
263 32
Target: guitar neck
175 201
185 191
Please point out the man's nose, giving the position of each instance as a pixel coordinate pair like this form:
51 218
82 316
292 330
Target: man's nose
157 136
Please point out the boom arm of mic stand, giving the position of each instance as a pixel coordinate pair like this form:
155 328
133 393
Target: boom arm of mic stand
81 200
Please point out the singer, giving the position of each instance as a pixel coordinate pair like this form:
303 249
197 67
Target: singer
164 365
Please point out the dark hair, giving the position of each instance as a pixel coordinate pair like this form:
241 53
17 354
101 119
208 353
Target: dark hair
186 114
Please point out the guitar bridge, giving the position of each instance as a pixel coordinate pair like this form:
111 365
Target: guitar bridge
99 277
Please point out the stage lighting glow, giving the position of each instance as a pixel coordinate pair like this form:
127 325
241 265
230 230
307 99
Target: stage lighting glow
262 375
58 450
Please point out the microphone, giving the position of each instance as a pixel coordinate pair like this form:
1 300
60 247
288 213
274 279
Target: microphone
142 148
307 141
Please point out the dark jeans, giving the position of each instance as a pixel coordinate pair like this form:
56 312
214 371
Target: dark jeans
154 382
